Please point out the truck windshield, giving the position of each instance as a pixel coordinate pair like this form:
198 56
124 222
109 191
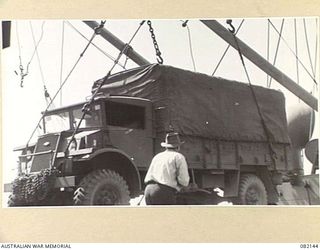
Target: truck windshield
91 119
57 122
61 121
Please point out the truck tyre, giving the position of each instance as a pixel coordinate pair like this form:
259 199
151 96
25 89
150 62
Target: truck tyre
102 187
252 191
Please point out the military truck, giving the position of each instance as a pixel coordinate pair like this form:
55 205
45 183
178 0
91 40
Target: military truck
235 136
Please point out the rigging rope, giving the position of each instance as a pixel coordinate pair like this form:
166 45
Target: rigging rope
296 49
268 47
312 116
314 80
316 48
86 107
226 50
61 59
94 45
23 73
308 48
96 31
185 24
20 60
125 62
272 153
277 49
46 93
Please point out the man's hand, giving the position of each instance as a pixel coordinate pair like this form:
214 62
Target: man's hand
191 187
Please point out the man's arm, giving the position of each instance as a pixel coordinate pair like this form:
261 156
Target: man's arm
182 171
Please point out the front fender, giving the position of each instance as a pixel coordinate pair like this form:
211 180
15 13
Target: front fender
119 161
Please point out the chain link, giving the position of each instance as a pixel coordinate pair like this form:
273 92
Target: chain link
155 43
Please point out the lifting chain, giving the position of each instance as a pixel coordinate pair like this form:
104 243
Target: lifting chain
155 43
33 188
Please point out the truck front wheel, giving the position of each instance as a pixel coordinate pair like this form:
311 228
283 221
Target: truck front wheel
252 190
102 187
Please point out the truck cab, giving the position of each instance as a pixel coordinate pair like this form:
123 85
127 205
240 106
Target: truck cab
114 140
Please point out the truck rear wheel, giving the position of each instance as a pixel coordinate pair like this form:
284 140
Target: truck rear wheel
252 190
102 187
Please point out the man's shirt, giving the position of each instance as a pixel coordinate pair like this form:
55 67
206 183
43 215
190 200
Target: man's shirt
169 168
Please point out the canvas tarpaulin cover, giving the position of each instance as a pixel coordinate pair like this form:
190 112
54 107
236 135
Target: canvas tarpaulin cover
200 105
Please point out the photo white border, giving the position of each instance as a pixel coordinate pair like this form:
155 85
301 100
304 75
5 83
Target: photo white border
137 224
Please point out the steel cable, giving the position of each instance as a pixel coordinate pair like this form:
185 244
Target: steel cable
308 47
314 80
190 44
268 47
226 50
37 53
94 45
296 49
264 126
65 80
61 58
277 50
86 107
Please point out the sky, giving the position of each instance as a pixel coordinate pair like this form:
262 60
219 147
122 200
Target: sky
22 106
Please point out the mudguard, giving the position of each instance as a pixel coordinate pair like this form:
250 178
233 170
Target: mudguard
102 152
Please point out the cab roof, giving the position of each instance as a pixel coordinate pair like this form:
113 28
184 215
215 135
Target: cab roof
99 98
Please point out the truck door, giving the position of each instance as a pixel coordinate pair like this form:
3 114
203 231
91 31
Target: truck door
129 123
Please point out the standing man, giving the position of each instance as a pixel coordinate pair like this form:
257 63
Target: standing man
167 174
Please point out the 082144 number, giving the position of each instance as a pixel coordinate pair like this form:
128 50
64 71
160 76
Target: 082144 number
309 246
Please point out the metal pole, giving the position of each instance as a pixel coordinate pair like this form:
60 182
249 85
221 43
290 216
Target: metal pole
116 42
263 64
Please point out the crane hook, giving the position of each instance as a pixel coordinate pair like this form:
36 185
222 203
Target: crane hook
184 24
232 30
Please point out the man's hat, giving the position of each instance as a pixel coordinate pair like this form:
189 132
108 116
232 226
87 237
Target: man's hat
172 140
